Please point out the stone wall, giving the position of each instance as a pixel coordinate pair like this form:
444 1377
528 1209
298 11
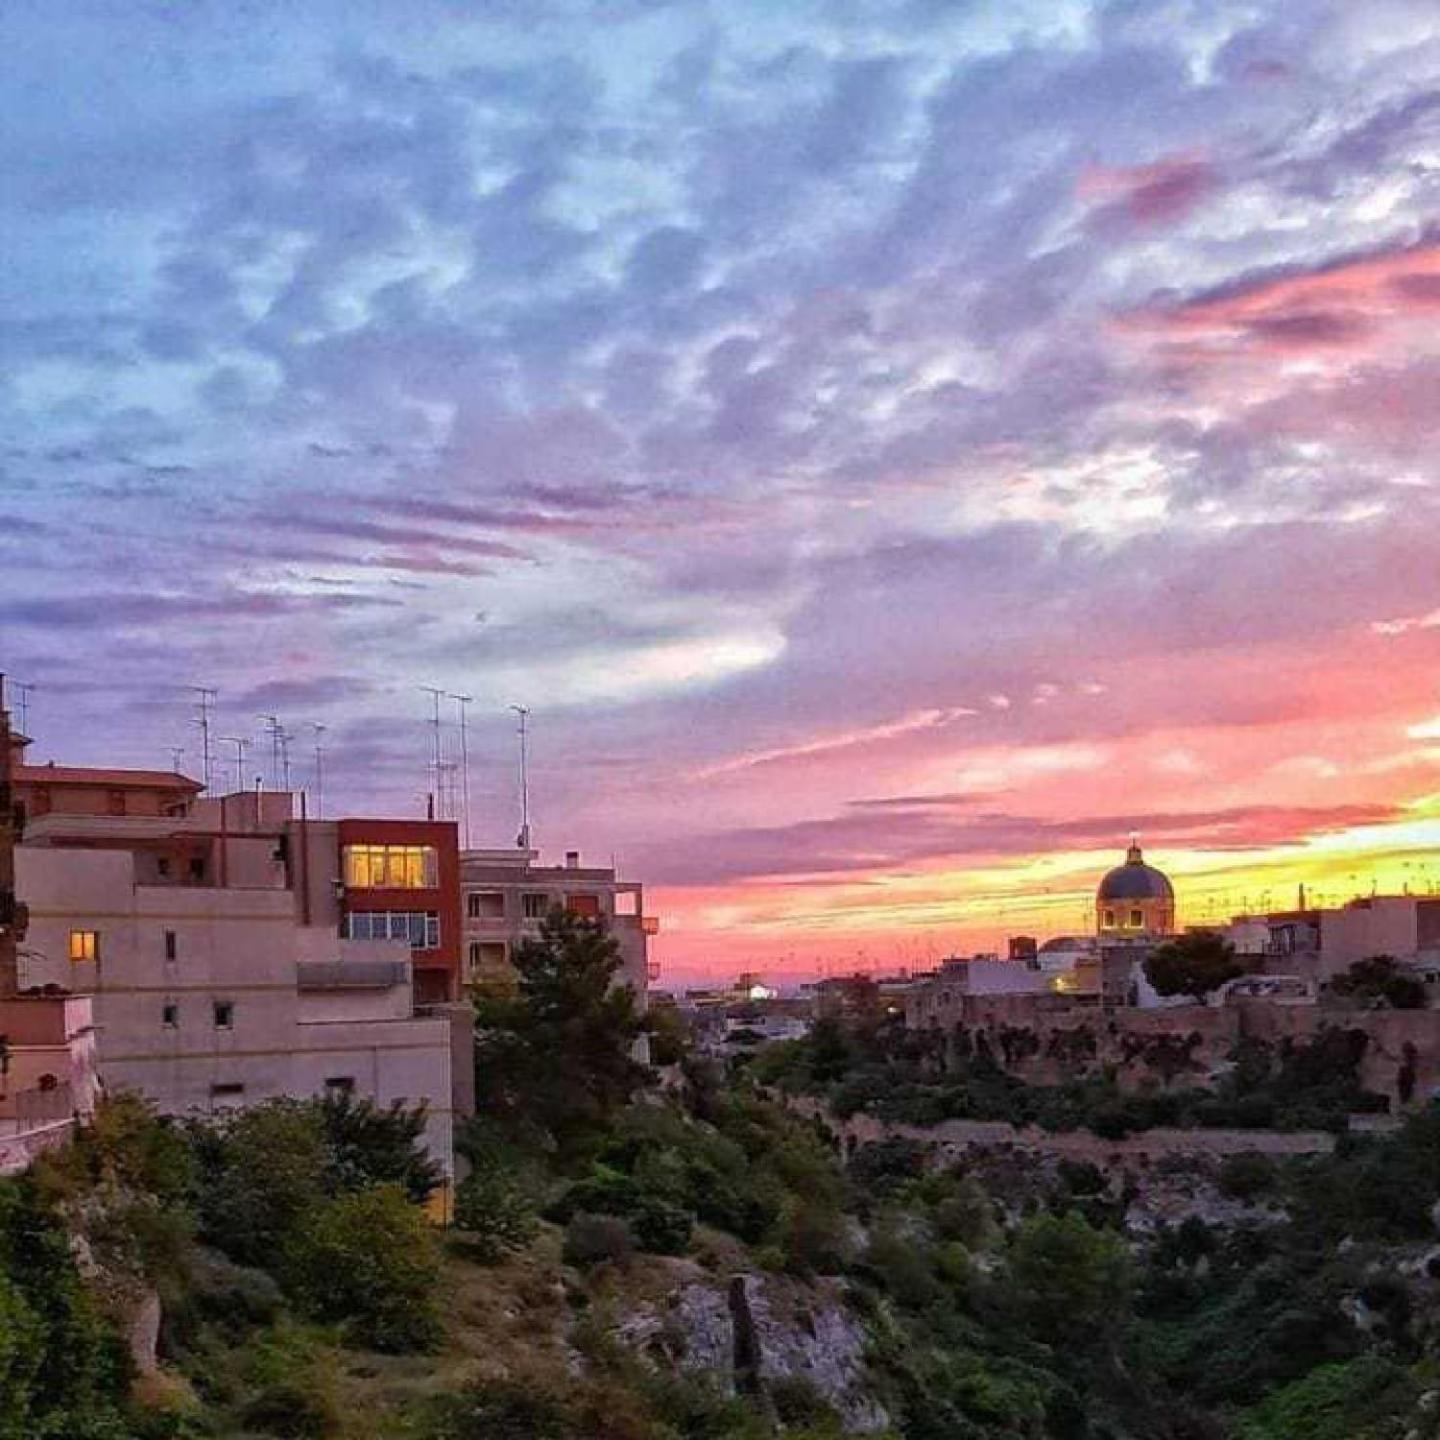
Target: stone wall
1046 1043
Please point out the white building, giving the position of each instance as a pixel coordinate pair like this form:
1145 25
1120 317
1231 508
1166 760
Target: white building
210 940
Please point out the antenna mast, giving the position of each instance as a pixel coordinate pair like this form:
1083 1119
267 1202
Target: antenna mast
241 746
523 838
23 705
319 730
436 759
274 731
204 699
461 701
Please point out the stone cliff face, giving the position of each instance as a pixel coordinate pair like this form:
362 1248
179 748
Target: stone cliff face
756 1330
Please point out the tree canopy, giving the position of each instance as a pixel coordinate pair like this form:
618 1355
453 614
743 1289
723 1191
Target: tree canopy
557 1055
1381 980
1193 964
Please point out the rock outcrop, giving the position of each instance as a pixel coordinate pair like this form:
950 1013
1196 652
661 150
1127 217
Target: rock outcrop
755 1331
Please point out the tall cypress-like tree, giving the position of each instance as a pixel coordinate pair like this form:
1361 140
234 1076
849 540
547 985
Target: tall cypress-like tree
557 1054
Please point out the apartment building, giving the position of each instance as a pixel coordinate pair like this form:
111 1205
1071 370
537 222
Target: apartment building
47 1042
237 952
507 893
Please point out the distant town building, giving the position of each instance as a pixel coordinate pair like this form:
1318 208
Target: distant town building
506 894
1134 900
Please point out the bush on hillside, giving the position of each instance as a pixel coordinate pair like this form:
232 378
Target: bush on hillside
596 1239
371 1260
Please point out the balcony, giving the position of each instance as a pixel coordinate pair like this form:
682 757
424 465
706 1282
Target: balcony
352 975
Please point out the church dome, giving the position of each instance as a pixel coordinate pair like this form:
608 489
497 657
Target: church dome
1135 880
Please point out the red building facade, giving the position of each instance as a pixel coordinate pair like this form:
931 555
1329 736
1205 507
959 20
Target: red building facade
400 879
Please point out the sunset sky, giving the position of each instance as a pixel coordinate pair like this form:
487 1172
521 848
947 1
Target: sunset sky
896 450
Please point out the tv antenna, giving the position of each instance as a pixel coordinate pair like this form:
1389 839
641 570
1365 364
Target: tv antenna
523 838
176 751
461 701
204 700
22 703
241 746
437 758
276 732
319 730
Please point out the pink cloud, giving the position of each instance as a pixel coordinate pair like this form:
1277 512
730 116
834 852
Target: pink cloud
1162 192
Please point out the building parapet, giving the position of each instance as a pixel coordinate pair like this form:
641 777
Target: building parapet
352 974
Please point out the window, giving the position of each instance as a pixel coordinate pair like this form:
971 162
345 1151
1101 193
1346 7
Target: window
587 907
339 1084
162 867
115 802
485 904
197 867
84 945
420 929
226 1090
391 867
48 1083
1108 919
1137 919
224 1014
536 906
170 1015
474 954
172 945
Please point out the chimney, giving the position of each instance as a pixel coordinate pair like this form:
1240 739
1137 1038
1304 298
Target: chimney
572 859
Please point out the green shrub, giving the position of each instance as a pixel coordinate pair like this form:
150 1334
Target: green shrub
798 1401
22 1354
1247 1176
496 1210
593 1239
814 1239
371 1260
509 1409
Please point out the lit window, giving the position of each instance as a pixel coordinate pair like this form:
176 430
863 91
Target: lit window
224 1014
391 867
84 945
536 906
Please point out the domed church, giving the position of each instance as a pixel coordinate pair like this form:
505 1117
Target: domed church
1135 900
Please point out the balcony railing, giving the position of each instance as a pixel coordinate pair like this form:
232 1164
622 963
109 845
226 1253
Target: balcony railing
352 975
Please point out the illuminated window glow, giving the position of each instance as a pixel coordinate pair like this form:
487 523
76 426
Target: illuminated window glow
391 867
84 945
